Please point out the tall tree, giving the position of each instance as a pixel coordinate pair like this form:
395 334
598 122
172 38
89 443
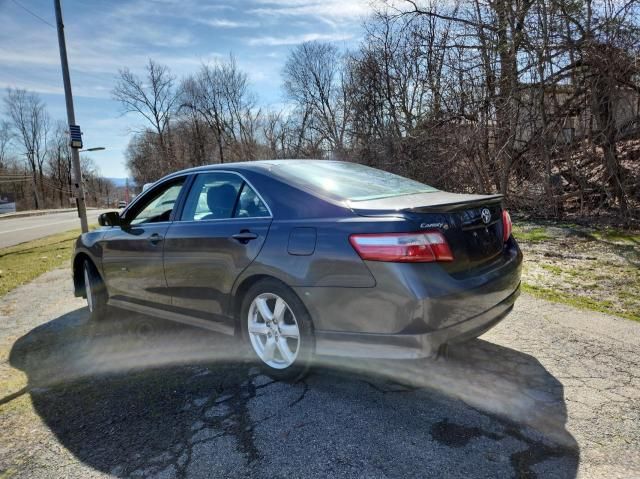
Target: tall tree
219 94
314 78
30 122
59 164
154 97
6 135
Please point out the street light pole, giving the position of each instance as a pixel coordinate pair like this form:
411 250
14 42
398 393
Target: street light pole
97 148
71 119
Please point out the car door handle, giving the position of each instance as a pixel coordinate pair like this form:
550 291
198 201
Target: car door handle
155 238
244 236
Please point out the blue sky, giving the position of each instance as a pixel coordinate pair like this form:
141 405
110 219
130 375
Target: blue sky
103 36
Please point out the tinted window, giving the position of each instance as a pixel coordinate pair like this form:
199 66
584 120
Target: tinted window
349 181
250 205
159 205
222 195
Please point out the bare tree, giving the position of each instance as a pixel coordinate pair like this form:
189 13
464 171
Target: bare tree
288 134
30 121
314 78
140 156
6 135
202 96
220 95
60 164
154 97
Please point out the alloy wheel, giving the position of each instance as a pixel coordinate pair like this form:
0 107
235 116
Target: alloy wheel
273 331
87 288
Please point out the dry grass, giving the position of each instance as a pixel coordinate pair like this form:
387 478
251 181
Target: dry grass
591 268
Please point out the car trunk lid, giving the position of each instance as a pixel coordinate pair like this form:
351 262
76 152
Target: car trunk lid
471 224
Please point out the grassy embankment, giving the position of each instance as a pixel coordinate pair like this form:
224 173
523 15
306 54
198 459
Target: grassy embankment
590 268
22 263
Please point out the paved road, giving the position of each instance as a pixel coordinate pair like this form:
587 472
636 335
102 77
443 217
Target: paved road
18 230
551 392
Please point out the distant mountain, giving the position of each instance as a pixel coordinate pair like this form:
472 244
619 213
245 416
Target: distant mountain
121 181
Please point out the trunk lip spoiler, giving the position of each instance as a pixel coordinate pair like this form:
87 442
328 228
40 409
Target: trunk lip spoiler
455 205
444 207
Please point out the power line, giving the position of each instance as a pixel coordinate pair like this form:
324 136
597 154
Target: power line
52 185
33 14
6 182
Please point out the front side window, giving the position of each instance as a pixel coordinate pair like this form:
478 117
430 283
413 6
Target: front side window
216 196
160 204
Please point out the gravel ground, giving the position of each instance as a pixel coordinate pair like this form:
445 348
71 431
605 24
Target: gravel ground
551 392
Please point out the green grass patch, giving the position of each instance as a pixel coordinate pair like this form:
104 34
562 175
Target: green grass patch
617 236
532 235
24 262
577 301
553 268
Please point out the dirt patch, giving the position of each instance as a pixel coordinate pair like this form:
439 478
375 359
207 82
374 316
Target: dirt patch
586 267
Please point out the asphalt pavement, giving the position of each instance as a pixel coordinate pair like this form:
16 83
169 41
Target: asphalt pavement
551 392
18 230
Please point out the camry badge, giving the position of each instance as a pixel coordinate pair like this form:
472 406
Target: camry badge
485 214
424 226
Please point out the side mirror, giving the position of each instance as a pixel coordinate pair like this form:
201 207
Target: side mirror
110 218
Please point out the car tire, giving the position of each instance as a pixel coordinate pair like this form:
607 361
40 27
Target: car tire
95 292
277 329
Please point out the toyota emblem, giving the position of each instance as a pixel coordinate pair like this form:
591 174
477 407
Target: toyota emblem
485 214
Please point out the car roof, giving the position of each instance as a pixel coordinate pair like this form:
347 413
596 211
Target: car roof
260 168
254 165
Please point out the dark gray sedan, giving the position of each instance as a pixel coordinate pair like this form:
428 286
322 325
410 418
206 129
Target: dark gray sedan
306 257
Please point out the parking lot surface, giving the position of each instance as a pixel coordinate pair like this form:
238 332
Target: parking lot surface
551 392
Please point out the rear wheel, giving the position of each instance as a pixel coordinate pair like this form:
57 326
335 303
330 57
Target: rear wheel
278 329
95 292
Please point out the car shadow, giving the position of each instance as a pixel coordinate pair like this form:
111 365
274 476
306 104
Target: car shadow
139 396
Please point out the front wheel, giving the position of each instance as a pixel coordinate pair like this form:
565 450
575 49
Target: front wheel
278 329
95 292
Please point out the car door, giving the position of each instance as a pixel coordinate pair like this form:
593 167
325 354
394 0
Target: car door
132 253
223 225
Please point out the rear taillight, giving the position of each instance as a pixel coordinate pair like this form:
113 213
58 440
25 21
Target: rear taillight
506 225
420 247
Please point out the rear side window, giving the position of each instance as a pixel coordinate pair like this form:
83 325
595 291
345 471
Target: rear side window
216 196
349 181
250 205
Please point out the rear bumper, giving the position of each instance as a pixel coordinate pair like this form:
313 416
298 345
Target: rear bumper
413 308
411 346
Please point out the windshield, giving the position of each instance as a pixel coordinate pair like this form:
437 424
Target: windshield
349 181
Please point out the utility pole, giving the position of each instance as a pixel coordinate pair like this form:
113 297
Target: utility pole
74 130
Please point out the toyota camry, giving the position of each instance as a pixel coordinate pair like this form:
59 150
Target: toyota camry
299 258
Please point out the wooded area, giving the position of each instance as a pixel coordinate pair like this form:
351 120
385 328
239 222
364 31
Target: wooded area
536 99
35 158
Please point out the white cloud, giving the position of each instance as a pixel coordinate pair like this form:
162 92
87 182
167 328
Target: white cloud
329 10
103 37
296 39
226 23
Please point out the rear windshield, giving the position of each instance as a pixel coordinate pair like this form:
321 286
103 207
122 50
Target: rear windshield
350 181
